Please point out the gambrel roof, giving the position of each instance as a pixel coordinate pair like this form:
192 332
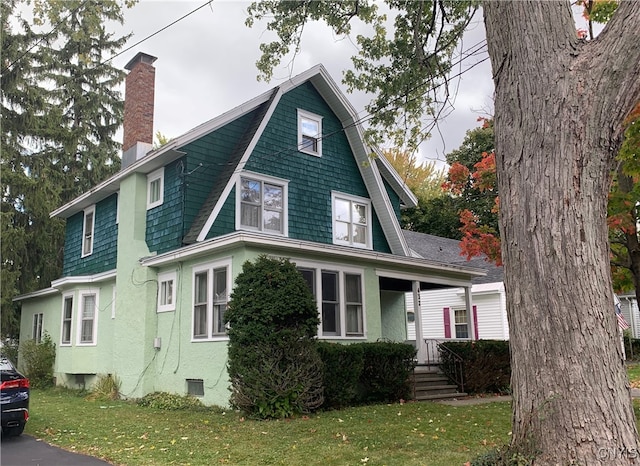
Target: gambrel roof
374 168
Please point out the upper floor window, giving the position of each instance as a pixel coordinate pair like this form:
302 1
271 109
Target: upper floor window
88 230
167 292
155 188
211 289
309 133
87 318
67 316
351 220
262 204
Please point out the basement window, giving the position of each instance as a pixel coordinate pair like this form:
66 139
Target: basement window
195 387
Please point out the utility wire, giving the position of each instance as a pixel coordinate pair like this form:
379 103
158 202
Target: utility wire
43 37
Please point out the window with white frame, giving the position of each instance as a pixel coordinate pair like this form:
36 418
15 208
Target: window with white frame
88 225
351 221
262 204
338 295
36 332
461 323
167 291
67 319
211 287
87 318
309 133
155 188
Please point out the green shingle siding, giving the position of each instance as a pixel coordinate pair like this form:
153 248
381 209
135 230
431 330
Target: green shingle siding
164 222
311 178
105 241
394 198
226 220
204 162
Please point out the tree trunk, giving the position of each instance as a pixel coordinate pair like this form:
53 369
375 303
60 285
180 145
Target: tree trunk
559 107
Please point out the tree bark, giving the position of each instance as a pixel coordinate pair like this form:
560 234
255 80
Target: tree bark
559 107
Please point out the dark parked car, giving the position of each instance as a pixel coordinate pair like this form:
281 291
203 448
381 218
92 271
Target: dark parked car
14 399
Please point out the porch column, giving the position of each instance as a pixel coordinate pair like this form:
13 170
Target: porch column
469 307
417 312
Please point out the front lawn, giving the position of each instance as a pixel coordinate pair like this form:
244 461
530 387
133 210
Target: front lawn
407 434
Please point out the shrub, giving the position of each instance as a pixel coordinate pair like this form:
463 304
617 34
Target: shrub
386 370
486 364
170 401
37 360
10 350
274 367
342 369
106 388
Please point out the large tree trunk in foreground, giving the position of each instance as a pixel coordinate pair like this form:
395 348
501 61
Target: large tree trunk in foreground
559 107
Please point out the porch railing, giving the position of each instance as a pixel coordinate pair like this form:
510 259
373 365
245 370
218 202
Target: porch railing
454 365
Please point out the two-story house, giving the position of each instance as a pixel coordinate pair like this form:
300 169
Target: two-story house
151 253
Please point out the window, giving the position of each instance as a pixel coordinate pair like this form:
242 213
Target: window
262 204
195 387
167 292
461 323
339 300
351 221
309 133
211 285
87 230
155 188
87 318
37 327
67 316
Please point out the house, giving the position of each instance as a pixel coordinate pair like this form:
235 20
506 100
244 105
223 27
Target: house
444 313
151 253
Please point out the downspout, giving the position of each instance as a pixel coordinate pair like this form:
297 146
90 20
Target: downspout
469 307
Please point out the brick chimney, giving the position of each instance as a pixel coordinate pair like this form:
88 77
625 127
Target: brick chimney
138 108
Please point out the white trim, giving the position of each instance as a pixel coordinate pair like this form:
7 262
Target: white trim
166 277
36 294
209 267
240 167
89 210
302 114
64 282
284 184
341 270
81 295
335 195
65 296
37 326
413 268
152 177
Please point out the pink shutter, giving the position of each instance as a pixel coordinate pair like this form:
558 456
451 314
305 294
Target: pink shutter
474 311
446 314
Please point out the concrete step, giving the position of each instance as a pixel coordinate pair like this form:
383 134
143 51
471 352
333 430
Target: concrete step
440 396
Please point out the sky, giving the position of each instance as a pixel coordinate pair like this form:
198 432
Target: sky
206 65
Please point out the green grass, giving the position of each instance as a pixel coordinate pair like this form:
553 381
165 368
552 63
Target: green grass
408 434
633 370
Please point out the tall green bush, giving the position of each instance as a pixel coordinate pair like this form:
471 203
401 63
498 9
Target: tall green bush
274 367
386 370
37 359
342 369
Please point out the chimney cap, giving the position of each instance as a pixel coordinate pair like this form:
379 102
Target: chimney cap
140 57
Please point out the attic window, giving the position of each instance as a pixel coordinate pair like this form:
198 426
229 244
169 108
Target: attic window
155 188
262 204
309 133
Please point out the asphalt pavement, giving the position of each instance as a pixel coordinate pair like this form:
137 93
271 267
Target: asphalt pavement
28 451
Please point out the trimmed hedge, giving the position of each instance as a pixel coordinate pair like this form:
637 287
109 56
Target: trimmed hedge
363 373
486 363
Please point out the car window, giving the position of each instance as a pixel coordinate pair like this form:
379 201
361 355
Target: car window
6 365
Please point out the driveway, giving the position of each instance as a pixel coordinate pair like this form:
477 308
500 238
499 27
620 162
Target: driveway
26 450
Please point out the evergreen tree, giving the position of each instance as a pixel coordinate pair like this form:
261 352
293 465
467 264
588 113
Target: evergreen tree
60 111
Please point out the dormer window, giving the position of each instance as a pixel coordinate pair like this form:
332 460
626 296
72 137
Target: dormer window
262 204
309 133
155 188
87 230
